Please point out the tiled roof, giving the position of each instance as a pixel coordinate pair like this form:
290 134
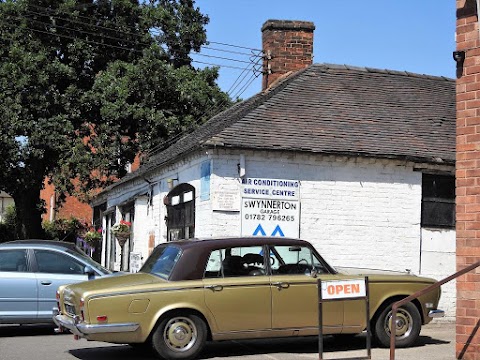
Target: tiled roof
332 109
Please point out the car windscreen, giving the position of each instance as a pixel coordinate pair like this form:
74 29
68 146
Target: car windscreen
87 259
162 261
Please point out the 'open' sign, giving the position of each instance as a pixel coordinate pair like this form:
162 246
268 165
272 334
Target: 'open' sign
343 289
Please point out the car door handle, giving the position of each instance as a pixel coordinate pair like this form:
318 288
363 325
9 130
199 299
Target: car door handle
281 285
214 287
45 282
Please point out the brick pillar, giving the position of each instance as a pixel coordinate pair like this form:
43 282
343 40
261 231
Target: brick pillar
468 179
287 46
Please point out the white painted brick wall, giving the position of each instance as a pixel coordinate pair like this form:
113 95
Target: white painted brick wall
359 213
356 212
438 261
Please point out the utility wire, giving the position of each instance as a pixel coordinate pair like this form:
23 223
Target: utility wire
93 42
133 42
236 46
211 110
164 144
122 40
244 73
192 126
52 14
85 32
244 88
49 12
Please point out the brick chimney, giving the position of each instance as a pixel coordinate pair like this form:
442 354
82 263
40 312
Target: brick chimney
287 46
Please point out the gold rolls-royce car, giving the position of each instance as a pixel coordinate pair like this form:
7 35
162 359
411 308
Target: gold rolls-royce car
192 291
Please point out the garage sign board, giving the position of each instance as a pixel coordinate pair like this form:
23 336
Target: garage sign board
270 207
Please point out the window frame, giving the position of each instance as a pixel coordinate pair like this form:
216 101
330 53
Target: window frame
27 265
438 194
57 253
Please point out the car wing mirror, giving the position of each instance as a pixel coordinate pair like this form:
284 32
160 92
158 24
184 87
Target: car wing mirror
90 272
314 273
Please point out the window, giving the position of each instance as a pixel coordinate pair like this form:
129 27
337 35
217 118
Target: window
55 263
181 212
162 261
294 260
214 264
13 260
238 261
438 201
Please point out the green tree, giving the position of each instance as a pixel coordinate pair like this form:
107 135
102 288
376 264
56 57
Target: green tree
8 225
86 85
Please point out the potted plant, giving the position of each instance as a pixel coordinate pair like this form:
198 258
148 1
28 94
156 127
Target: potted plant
121 231
92 236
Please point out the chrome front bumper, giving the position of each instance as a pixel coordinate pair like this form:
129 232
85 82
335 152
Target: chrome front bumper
83 330
437 313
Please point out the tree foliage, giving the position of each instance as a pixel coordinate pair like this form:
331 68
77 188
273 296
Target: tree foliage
8 225
86 85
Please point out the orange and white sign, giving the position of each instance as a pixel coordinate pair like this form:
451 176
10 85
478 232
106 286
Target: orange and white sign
343 289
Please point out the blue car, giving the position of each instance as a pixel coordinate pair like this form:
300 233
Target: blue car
31 272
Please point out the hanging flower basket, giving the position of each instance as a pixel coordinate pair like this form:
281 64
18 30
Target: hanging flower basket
122 237
121 231
92 237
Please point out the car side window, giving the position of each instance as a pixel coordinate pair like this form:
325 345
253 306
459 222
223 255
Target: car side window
236 261
214 265
55 263
292 260
243 261
13 260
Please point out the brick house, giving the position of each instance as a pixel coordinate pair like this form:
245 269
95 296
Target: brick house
72 206
358 161
467 57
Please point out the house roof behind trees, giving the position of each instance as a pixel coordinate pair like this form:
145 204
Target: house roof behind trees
335 110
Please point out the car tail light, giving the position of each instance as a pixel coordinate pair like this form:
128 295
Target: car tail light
102 318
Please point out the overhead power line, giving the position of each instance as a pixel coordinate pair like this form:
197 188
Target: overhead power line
126 40
240 85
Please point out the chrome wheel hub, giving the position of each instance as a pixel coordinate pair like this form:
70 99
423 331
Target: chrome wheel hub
403 323
180 334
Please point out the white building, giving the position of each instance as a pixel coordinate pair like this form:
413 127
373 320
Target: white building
358 161
5 201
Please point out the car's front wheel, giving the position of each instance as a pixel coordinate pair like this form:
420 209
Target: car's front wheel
408 325
180 336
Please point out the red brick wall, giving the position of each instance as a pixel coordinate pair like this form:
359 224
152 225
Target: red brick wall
71 207
290 44
468 181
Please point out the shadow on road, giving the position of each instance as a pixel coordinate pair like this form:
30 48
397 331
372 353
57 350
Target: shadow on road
26 330
227 349
123 352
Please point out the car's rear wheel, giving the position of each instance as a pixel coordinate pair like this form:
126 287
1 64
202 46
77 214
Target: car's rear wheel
408 325
180 336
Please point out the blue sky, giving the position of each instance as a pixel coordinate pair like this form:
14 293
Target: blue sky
406 35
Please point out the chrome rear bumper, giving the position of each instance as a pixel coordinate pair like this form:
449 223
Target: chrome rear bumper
82 330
